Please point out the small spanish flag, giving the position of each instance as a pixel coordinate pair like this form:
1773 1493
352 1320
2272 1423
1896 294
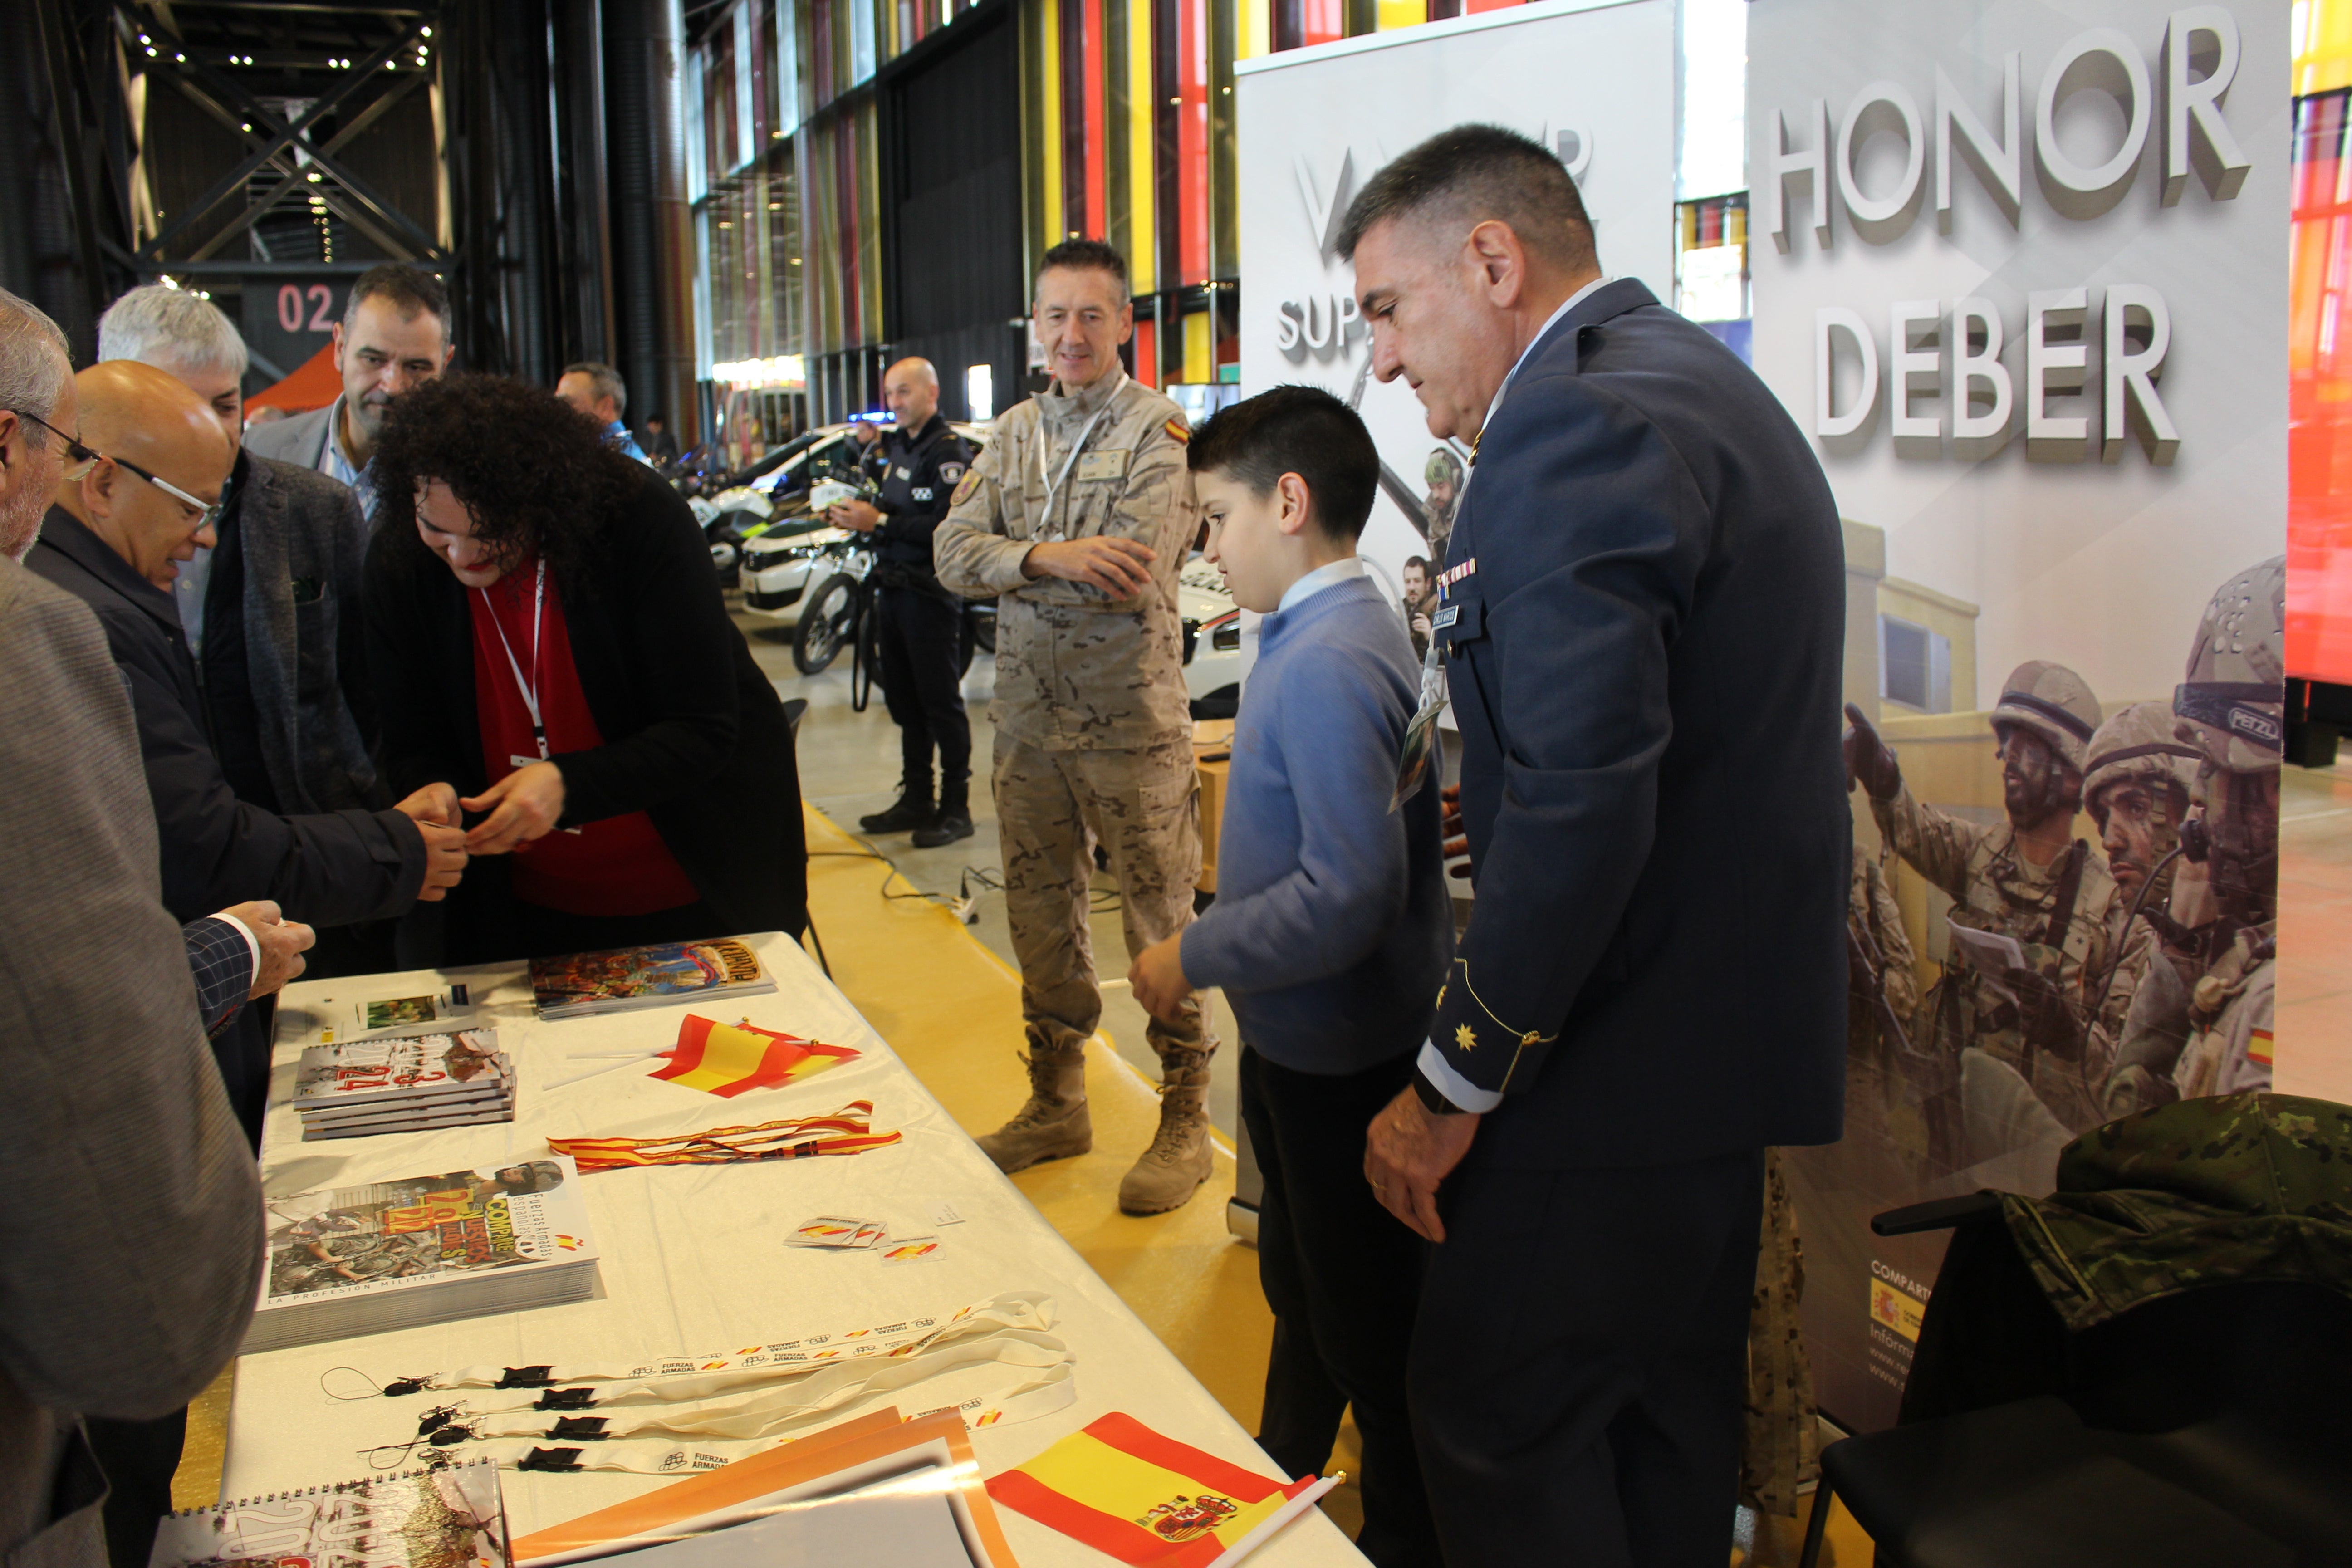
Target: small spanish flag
1151 1501
725 1059
2258 1048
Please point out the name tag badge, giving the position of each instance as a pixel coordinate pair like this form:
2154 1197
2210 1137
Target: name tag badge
1102 466
1458 622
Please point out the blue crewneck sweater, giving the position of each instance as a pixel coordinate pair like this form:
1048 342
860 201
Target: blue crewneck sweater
1332 928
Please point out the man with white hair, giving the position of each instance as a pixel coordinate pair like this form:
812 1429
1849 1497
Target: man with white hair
145 1239
271 611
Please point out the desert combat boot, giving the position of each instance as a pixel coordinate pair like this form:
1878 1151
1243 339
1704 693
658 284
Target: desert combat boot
1179 1160
1054 1123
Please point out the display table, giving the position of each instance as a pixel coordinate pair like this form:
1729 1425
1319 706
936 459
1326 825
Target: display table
693 1258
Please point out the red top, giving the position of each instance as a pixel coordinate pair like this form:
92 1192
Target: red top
616 867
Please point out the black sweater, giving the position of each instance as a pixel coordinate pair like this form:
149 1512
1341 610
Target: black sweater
694 733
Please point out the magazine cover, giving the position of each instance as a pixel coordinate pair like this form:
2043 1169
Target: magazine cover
408 1013
388 1235
586 983
397 1067
439 1519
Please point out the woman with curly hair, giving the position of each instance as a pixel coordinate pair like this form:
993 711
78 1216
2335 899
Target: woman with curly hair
550 648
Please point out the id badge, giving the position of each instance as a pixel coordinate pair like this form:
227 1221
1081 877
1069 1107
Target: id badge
1456 621
1420 734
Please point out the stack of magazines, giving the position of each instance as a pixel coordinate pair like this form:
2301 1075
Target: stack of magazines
403 1083
423 1249
584 984
452 1518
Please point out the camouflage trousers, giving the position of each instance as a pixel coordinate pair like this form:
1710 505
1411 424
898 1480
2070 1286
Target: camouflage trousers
1052 808
1781 1446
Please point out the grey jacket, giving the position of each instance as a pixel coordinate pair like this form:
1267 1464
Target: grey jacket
300 440
131 1251
305 543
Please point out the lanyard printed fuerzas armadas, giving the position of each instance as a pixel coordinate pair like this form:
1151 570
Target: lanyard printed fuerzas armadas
729 1405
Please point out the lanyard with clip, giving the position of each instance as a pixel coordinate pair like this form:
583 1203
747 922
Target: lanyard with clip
530 689
1045 516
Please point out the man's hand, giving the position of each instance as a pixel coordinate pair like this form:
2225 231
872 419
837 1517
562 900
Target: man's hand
1158 979
436 804
1408 1152
1119 567
1449 825
528 803
1421 626
1868 762
282 941
2045 1016
434 809
857 516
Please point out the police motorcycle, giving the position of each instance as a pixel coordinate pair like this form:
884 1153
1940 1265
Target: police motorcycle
840 611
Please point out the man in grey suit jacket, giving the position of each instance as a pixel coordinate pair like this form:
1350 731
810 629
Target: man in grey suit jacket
271 611
395 333
128 1268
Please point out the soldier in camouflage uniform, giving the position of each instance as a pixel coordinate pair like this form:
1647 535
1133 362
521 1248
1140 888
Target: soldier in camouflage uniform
1076 518
2027 1034
1444 474
2209 1032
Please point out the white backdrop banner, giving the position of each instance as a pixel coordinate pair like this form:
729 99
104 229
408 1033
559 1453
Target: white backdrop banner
2019 269
1594 81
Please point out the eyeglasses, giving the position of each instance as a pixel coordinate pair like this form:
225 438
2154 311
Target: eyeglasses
79 458
212 509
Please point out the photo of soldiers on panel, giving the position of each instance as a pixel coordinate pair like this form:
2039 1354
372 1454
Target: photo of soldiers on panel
1444 474
2063 911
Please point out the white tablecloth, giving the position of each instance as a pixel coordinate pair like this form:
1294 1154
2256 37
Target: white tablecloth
693 1258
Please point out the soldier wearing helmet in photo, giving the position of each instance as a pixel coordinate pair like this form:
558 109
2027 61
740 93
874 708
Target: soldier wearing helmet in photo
1442 473
2137 787
2209 1032
2009 1035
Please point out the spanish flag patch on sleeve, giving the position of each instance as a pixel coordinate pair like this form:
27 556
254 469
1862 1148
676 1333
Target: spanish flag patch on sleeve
1180 431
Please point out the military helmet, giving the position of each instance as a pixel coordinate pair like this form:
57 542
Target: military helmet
2231 703
1443 467
2052 701
2140 743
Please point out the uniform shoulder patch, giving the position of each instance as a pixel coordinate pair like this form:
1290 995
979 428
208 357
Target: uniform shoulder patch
970 483
1179 430
951 472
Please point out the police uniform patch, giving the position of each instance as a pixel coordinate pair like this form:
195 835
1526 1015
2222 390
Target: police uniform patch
1179 430
963 489
951 472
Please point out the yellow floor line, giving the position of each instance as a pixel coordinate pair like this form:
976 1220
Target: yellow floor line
952 1009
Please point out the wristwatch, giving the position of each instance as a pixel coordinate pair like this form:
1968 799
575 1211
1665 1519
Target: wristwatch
1432 1098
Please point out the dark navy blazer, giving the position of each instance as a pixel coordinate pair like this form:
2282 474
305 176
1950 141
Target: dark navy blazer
1645 655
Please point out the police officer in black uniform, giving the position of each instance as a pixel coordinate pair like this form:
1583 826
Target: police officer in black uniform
919 462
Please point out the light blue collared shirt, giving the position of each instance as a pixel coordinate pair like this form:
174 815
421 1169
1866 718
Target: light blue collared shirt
335 466
1331 575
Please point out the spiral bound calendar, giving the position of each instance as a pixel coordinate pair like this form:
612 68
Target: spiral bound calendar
452 1517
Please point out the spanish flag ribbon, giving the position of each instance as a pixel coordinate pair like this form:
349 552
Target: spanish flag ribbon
1149 1500
725 1059
846 1131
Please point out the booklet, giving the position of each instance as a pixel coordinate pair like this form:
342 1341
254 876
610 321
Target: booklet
422 1249
582 984
873 1492
399 1070
399 1013
452 1518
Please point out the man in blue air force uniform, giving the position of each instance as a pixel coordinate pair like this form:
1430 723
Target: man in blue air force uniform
1644 619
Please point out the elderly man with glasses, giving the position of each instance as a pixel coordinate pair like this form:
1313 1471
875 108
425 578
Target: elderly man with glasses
140 493
272 611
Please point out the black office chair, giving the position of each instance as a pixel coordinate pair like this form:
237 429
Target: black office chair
2208 1429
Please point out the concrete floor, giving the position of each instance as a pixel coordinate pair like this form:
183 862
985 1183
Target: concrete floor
849 767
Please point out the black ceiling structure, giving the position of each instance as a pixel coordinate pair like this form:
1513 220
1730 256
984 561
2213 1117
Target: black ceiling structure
229 143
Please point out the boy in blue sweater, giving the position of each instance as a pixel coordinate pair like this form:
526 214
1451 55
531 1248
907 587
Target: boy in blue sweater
1331 931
